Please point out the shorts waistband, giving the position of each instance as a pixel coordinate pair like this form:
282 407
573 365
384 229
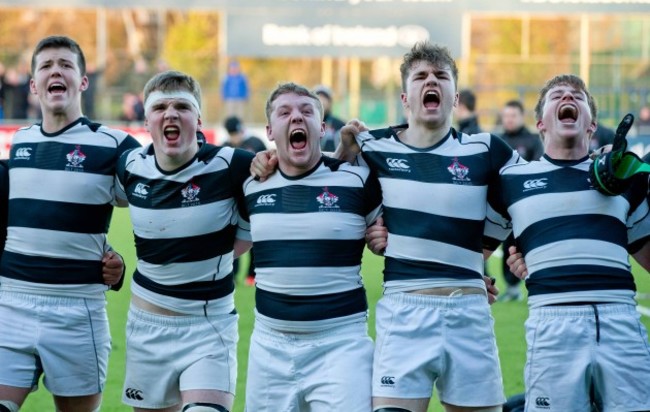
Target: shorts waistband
49 301
163 320
356 328
580 310
436 301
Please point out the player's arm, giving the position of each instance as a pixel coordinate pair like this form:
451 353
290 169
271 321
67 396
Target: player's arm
242 246
113 269
264 164
516 263
348 149
377 237
643 256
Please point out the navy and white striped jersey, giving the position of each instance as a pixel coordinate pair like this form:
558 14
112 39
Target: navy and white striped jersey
4 201
434 205
574 239
185 223
308 235
61 195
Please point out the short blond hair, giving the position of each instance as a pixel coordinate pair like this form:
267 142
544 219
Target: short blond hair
290 87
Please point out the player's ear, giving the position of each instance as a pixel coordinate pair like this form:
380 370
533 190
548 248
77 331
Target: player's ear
199 123
404 99
592 127
32 86
269 133
84 83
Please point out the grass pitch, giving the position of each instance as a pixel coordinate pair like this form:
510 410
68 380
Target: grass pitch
509 319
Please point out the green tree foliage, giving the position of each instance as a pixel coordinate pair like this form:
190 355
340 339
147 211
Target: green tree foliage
191 45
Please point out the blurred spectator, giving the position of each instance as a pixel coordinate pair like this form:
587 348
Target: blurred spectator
16 93
516 134
465 113
237 138
2 92
643 122
530 147
332 124
132 109
601 137
234 91
88 101
139 76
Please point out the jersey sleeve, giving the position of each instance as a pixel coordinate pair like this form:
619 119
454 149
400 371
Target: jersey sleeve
372 193
502 155
4 202
127 144
240 172
638 222
497 221
120 178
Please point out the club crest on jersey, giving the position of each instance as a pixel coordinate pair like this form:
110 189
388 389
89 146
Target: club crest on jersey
190 195
75 159
458 172
327 201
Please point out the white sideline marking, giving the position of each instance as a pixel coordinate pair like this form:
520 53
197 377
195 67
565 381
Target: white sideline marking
643 310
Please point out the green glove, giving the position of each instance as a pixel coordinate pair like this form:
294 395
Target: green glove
611 173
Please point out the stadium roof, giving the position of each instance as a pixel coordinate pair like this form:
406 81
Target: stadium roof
541 6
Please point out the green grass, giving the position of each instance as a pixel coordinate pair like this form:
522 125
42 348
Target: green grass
509 320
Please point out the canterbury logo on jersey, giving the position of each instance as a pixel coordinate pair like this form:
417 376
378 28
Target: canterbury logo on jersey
535 184
398 164
265 200
24 153
141 190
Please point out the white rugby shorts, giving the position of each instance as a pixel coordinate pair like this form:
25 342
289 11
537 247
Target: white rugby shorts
448 341
319 372
65 338
166 355
576 350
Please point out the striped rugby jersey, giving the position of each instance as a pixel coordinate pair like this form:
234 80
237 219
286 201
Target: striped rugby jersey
61 195
185 223
575 240
308 235
434 205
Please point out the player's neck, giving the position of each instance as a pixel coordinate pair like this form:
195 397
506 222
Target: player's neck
170 163
576 152
418 135
53 122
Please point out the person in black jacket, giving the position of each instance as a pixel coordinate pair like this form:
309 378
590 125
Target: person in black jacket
332 123
465 113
